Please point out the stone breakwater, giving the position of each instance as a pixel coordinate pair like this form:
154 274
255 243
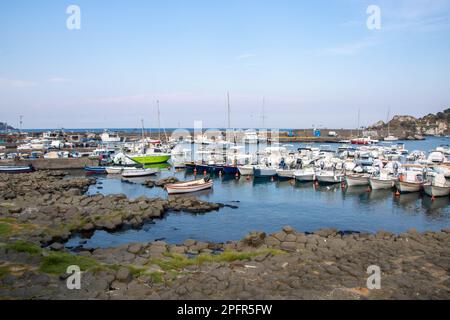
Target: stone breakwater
44 208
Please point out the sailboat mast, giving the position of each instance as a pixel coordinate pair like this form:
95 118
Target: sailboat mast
359 115
159 121
142 123
387 121
229 111
263 113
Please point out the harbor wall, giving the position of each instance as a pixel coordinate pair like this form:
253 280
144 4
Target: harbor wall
52 164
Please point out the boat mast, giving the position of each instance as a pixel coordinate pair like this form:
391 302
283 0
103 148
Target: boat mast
159 121
359 115
229 110
263 112
387 121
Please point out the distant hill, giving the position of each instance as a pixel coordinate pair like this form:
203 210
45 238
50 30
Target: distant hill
4 127
411 128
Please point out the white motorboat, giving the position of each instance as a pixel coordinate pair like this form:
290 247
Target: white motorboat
285 173
305 175
436 157
189 186
261 171
139 173
437 187
357 179
391 138
329 177
118 169
246 170
410 181
383 181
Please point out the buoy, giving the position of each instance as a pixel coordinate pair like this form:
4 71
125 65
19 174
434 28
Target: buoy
204 172
272 179
368 189
195 170
433 198
236 175
397 194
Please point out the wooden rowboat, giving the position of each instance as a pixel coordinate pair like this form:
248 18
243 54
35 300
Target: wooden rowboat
189 186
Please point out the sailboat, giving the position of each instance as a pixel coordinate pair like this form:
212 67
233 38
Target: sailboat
148 155
389 137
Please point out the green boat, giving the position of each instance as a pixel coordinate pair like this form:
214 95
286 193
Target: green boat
152 158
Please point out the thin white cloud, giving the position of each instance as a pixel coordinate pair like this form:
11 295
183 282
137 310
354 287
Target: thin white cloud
246 56
59 80
350 49
16 83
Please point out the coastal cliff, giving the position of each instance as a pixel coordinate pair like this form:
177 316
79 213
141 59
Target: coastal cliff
411 128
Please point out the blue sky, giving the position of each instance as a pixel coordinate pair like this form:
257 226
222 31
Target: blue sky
315 62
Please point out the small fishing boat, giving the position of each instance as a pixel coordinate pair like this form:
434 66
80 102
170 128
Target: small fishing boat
285 173
95 170
16 169
246 170
305 175
411 181
139 173
118 169
329 177
437 187
383 181
357 179
264 172
189 186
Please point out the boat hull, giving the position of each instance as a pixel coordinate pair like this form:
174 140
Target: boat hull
178 189
151 159
95 170
307 177
138 173
285 174
408 187
230 170
18 169
329 179
436 191
264 173
245 170
380 184
357 180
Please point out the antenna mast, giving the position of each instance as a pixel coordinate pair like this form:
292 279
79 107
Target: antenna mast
263 113
159 121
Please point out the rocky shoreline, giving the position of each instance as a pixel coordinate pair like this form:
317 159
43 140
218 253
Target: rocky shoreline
41 210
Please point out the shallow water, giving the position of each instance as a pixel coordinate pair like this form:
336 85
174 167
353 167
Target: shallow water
269 205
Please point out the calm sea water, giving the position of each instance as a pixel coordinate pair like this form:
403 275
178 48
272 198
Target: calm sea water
269 205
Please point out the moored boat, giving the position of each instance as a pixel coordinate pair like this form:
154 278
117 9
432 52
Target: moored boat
150 158
95 170
264 172
246 170
118 169
437 187
233 170
305 175
189 186
411 181
285 173
329 177
357 179
383 181
139 173
16 169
